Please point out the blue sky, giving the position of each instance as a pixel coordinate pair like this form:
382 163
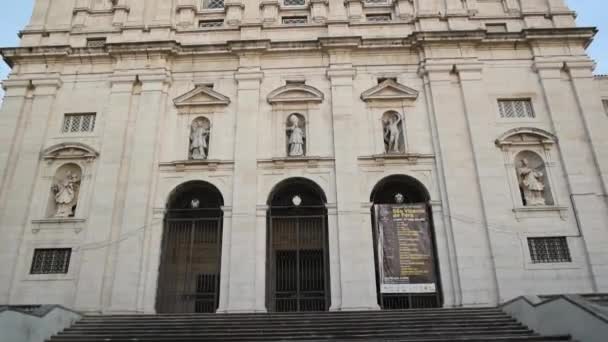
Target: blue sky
15 15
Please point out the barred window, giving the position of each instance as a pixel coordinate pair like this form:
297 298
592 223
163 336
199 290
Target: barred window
549 250
294 2
378 17
211 23
96 42
516 108
605 103
51 261
73 123
213 4
294 20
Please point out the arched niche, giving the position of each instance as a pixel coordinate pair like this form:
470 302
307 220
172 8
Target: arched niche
65 191
393 133
200 133
534 185
296 137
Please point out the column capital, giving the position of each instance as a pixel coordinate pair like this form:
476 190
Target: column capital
46 86
336 73
18 88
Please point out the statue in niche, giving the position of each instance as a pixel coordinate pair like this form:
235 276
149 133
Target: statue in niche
392 133
199 139
532 184
65 195
296 137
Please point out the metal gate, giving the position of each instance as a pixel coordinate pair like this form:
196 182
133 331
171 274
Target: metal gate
190 266
298 267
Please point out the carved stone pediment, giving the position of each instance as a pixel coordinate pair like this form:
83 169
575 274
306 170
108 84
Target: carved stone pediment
291 93
526 136
389 90
201 96
69 151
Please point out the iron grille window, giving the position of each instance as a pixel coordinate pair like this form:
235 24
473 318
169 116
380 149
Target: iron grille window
73 123
51 261
549 250
211 23
213 4
605 103
294 2
294 20
378 17
96 42
518 108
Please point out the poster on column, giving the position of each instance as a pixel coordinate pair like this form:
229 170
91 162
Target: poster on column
405 249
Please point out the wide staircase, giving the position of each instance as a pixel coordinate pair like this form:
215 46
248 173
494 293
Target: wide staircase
473 324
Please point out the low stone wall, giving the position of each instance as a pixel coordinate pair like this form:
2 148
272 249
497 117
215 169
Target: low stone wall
34 323
561 315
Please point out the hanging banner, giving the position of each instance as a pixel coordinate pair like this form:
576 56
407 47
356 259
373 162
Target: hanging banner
405 249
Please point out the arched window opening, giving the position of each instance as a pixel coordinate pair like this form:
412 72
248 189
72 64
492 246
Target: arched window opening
407 272
534 185
297 260
64 191
191 250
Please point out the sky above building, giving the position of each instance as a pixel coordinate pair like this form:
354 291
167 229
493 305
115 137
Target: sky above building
15 15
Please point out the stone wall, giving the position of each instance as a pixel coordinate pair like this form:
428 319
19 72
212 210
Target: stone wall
156 74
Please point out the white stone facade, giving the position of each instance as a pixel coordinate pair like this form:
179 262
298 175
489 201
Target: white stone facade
447 63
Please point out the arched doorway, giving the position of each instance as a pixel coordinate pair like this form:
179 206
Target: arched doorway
407 271
189 274
297 266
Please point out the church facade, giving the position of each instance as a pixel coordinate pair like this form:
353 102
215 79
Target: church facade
242 155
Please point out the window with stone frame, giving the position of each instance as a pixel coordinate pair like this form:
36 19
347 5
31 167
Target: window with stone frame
51 261
78 122
213 4
299 20
516 109
378 17
549 250
211 23
294 2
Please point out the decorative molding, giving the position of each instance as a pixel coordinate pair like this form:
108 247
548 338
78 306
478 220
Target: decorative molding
389 90
201 96
409 158
540 211
309 161
526 136
198 164
69 151
291 93
77 224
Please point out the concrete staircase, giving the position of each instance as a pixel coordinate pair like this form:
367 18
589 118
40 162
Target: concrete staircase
474 324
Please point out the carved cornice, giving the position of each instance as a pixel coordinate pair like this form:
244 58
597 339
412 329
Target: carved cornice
416 39
201 96
389 90
291 93
69 151
510 138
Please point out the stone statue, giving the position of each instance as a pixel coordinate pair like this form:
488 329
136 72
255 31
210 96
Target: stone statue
296 137
392 133
199 140
65 195
532 184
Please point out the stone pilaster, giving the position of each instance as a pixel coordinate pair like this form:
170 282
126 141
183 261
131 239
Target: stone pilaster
357 275
18 188
472 248
38 19
571 116
108 190
133 212
243 259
